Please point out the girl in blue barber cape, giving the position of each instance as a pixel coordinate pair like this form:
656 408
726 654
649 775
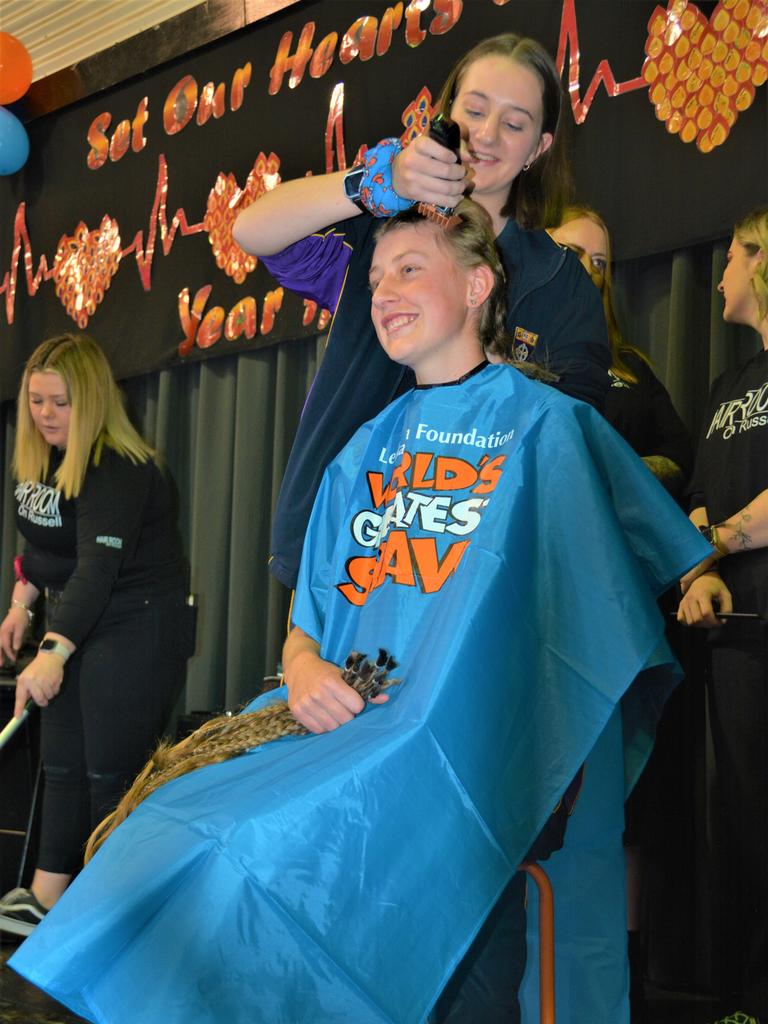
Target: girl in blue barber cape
367 872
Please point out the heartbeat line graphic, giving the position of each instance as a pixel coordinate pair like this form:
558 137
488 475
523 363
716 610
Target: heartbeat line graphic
157 217
569 36
82 265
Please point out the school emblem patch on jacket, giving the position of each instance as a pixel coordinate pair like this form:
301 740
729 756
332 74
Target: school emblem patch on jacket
525 343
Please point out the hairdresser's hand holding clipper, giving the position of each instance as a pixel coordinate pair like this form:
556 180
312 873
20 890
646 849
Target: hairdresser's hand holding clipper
429 170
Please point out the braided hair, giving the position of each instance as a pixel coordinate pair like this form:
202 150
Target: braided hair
227 736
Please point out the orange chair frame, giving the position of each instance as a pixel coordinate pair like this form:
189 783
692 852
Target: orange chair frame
546 940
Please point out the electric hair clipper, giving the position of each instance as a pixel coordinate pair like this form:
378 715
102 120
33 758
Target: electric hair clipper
446 133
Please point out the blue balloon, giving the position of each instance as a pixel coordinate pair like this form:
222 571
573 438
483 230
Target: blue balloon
14 143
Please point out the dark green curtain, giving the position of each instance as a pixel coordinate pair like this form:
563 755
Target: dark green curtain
668 305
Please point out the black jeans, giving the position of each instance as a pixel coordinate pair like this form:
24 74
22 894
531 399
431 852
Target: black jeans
738 704
118 691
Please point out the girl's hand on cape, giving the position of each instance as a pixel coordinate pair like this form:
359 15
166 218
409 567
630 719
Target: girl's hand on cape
428 173
317 695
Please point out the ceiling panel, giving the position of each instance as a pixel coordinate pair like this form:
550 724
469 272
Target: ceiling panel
80 47
59 33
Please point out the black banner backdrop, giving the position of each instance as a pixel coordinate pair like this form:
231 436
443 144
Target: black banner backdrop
120 222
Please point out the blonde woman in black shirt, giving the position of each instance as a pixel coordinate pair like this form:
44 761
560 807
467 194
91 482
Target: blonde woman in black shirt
729 502
101 544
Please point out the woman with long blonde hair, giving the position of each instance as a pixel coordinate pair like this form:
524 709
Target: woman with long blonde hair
101 545
639 407
637 403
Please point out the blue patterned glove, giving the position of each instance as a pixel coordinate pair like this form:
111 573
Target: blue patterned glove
376 193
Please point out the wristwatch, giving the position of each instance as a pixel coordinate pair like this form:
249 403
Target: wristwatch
710 532
353 184
54 647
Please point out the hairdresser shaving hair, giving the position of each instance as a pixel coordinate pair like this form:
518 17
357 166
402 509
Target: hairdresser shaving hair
316 236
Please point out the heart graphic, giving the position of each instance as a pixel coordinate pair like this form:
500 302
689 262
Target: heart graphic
224 201
703 74
84 266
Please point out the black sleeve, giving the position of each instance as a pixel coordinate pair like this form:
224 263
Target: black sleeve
110 511
577 348
667 434
694 492
41 568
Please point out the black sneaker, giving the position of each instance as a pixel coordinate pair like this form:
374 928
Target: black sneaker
20 912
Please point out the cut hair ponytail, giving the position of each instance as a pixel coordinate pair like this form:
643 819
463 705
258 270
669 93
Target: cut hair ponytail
228 736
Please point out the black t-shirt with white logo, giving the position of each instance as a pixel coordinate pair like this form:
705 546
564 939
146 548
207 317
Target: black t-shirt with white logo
732 469
119 534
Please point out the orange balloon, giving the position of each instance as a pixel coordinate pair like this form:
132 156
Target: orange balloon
15 68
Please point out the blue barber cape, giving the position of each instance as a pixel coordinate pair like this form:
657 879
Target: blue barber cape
506 546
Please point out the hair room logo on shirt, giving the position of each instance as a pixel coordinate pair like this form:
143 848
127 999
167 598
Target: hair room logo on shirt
38 503
740 414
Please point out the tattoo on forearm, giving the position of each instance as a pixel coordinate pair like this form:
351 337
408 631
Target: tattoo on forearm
738 529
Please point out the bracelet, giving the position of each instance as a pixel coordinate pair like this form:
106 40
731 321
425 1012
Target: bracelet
710 532
27 609
376 192
718 544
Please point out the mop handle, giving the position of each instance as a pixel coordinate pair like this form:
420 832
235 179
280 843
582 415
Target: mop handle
14 724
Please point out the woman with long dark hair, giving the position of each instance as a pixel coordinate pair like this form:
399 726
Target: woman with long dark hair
315 235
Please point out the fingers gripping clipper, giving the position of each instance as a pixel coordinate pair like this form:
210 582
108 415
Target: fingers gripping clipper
446 133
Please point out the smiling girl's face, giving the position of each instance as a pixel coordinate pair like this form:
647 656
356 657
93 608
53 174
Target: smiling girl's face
424 305
499 107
